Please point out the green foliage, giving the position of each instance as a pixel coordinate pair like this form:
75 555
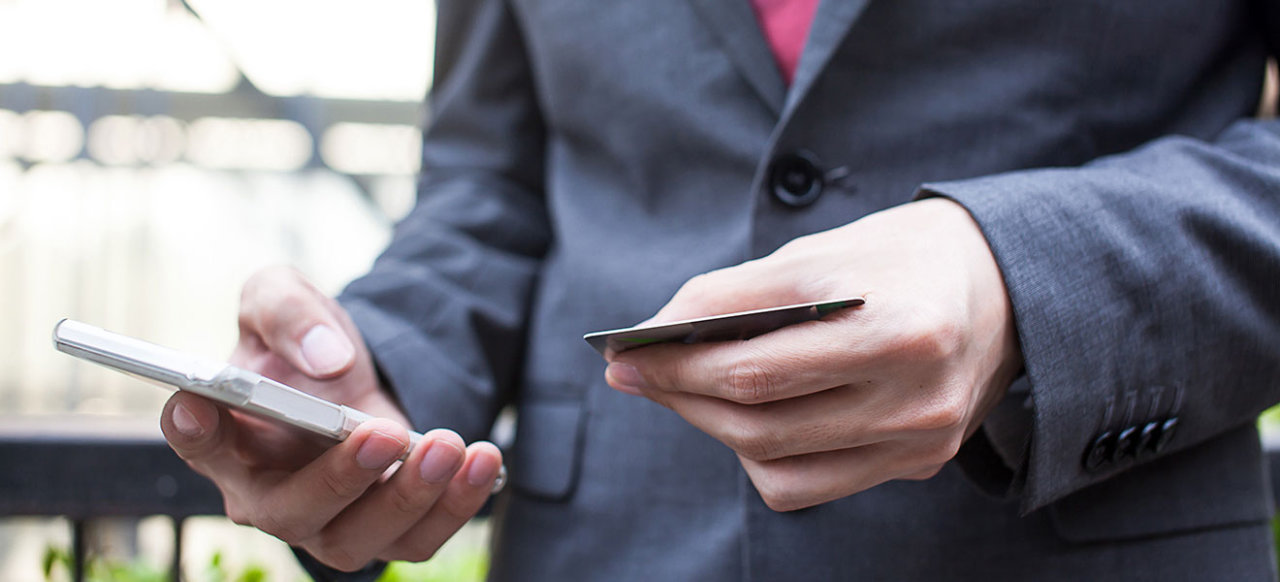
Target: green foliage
130 572
214 571
1275 533
1269 422
468 565
1270 419
253 573
217 572
55 557
463 567
59 560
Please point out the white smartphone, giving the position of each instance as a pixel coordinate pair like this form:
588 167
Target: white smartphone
220 381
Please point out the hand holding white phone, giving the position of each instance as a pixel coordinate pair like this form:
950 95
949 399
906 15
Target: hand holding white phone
219 381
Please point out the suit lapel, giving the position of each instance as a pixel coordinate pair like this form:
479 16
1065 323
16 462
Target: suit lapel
735 27
830 25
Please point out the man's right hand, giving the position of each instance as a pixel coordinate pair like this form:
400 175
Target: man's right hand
340 503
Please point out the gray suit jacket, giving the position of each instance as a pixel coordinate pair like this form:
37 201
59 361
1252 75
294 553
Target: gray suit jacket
584 158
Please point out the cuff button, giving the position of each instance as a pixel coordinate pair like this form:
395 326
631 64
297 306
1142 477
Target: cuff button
1098 455
1126 445
1167 429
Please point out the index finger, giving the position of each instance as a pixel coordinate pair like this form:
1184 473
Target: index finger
789 362
302 502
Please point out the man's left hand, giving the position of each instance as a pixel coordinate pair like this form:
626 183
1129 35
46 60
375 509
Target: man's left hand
889 390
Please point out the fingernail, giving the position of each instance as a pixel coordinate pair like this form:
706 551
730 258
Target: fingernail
378 451
483 470
326 350
186 422
440 462
625 378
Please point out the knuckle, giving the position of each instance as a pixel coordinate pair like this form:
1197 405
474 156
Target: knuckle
778 488
337 555
750 383
404 502
752 439
782 504
946 450
277 526
421 556
458 509
414 550
235 512
697 290
780 497
940 418
342 486
934 338
946 412
700 295
930 458
925 474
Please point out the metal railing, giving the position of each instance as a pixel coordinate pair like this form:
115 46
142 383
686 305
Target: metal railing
85 475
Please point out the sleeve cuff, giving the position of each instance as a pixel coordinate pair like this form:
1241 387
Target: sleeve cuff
995 457
322 573
1034 242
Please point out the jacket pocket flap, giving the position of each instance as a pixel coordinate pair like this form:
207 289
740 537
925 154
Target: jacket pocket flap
544 458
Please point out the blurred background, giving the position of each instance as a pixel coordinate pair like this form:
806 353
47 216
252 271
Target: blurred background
153 154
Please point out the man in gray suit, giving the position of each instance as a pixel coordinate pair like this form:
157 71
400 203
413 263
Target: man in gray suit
1065 227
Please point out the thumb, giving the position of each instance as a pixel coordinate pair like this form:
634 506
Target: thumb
283 312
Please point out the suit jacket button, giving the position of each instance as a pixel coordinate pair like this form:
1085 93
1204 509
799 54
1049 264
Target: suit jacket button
1147 439
1167 429
1098 455
1126 444
795 179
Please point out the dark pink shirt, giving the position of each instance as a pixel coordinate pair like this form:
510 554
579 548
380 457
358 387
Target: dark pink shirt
786 26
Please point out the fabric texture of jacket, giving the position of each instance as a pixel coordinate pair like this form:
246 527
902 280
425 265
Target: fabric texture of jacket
582 159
